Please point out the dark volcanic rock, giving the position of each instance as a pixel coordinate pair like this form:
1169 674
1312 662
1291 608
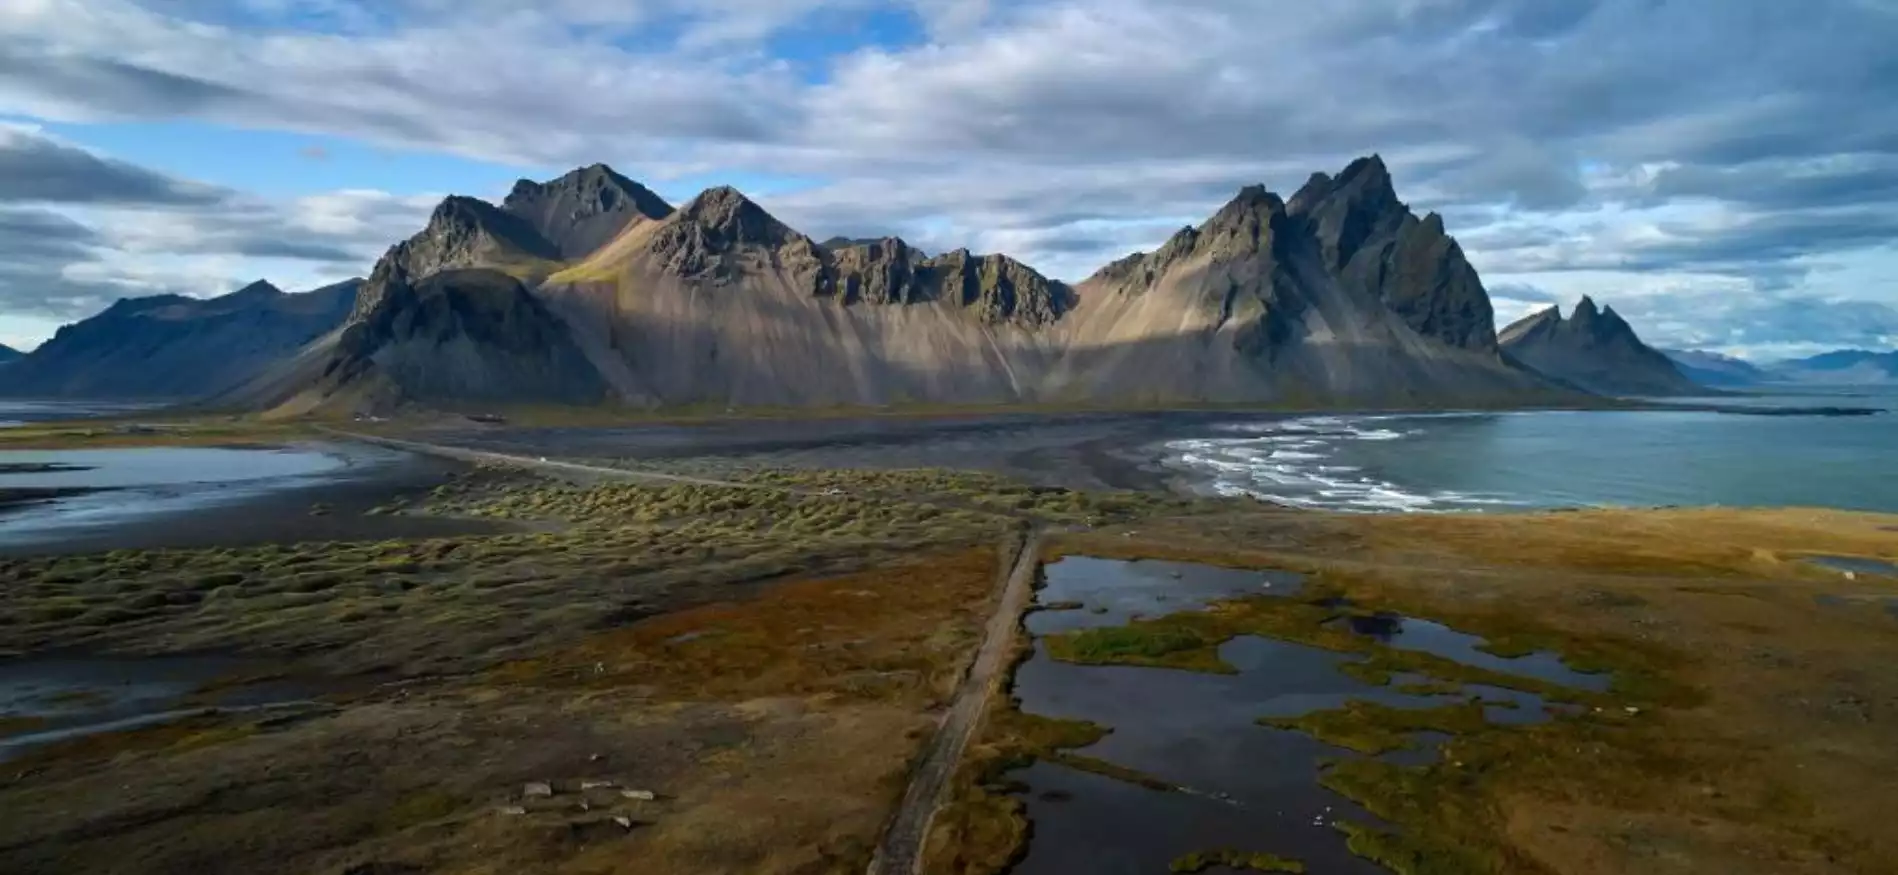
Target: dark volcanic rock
721 232
471 335
1340 293
579 212
995 288
1373 243
462 232
1594 349
704 239
170 346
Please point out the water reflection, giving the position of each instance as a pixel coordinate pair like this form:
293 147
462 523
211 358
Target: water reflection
1242 785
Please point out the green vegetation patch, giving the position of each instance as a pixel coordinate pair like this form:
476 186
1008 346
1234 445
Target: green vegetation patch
1200 861
1158 644
1373 728
603 553
1107 769
1406 855
1191 640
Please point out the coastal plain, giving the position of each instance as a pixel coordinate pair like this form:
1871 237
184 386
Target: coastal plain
722 648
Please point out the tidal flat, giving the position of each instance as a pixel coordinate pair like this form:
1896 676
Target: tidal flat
741 676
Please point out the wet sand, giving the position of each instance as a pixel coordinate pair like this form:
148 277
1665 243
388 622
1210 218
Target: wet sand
1075 451
331 507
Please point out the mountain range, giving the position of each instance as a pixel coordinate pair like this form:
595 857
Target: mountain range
1594 350
8 354
591 288
1839 367
174 347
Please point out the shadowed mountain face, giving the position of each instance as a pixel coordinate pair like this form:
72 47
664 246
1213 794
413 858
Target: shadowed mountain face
8 354
461 335
1341 295
1375 246
1594 349
169 346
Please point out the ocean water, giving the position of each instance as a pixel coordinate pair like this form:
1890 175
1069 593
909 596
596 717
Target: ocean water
16 412
104 488
1541 459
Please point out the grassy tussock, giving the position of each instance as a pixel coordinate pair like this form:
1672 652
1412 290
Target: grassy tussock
604 554
1200 861
1372 728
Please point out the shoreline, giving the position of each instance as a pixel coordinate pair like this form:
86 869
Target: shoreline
333 505
775 622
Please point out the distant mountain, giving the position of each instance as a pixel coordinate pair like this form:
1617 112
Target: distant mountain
1716 370
174 347
1845 366
8 354
1594 349
1340 295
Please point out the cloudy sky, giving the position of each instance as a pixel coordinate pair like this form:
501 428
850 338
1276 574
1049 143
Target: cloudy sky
1724 172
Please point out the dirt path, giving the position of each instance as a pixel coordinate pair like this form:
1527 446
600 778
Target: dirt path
901 851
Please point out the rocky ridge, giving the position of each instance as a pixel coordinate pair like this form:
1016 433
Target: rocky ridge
1340 294
1594 349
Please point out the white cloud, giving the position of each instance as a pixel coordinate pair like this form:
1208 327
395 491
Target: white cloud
1661 151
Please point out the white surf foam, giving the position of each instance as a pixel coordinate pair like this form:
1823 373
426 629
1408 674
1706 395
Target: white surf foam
1294 462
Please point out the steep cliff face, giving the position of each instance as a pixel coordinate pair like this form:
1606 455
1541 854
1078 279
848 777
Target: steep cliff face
722 302
461 232
1594 349
1375 245
173 347
993 288
1340 295
460 336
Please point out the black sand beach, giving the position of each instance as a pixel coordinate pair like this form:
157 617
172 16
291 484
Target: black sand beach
332 507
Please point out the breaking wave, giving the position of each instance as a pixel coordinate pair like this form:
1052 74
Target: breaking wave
1305 462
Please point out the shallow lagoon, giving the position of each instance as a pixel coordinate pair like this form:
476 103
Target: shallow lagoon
1240 785
158 497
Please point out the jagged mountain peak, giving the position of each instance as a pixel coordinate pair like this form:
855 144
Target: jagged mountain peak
258 289
1369 170
1595 349
580 211
458 208
463 217
1251 201
736 219
1541 321
1364 184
